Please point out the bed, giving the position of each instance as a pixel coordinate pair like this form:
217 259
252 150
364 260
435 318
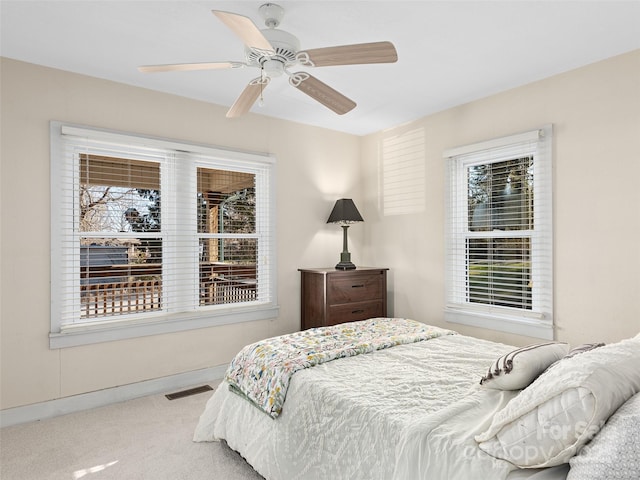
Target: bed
415 408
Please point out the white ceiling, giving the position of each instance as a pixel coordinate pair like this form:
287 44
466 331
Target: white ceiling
450 52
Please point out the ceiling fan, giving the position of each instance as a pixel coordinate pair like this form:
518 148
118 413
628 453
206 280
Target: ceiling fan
276 51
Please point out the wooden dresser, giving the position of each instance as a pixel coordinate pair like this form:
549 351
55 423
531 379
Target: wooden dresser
331 296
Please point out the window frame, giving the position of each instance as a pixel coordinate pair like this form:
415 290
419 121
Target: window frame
63 334
538 321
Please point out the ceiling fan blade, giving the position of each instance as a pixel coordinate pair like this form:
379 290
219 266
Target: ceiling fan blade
248 97
245 29
322 93
183 67
357 54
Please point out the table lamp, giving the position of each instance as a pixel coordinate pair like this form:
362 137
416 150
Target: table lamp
345 213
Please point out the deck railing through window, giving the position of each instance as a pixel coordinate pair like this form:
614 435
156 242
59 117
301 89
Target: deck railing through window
108 290
222 283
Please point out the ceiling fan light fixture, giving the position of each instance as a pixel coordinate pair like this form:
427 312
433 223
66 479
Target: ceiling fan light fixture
273 67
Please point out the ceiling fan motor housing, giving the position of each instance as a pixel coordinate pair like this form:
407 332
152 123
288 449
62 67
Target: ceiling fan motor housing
285 45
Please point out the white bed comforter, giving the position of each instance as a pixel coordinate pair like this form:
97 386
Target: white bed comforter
406 413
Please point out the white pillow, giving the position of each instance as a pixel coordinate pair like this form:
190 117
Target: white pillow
517 369
614 453
564 407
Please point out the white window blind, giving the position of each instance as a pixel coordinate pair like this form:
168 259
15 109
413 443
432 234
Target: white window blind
153 231
499 237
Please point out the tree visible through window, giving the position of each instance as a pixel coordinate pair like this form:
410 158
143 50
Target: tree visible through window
500 199
120 246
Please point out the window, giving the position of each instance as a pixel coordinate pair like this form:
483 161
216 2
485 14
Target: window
153 236
499 239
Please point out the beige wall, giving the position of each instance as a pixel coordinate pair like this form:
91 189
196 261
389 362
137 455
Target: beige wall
595 111
596 114
314 168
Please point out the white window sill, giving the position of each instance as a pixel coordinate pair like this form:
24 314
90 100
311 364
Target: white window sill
529 327
75 335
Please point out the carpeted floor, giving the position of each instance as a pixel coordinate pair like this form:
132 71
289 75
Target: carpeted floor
146 438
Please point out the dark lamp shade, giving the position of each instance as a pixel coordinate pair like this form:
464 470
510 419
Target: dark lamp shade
345 212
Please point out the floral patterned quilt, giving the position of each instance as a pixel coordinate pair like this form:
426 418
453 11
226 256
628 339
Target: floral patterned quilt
261 371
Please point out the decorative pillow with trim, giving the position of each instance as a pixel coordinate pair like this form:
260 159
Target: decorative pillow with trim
517 369
549 421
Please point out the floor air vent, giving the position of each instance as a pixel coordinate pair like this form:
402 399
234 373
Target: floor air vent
189 392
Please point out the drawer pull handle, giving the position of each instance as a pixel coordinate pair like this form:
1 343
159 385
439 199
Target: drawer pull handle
357 286
357 311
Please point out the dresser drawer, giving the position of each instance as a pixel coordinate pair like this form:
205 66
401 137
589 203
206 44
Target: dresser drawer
355 311
355 288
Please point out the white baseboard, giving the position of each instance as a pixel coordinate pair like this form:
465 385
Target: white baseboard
100 398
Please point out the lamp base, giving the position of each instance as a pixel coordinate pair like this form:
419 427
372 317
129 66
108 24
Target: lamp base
345 266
